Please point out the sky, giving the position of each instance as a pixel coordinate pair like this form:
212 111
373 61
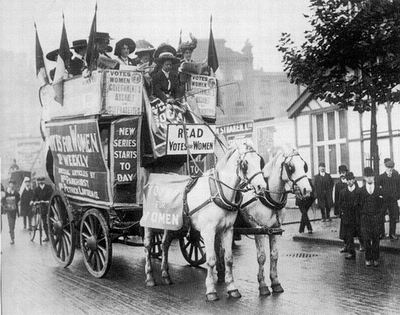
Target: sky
260 21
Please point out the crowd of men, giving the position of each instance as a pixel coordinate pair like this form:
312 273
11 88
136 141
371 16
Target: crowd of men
363 210
164 68
21 203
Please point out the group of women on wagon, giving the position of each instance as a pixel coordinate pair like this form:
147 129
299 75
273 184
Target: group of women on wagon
161 67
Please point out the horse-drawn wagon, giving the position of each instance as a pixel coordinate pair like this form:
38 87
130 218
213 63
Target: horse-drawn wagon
100 137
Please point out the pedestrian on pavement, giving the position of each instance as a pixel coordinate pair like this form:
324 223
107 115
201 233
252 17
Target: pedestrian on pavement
389 181
323 184
26 193
371 205
304 205
348 203
43 193
11 201
341 184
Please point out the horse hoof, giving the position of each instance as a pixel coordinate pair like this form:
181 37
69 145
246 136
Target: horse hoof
167 280
277 288
264 291
211 297
234 294
150 283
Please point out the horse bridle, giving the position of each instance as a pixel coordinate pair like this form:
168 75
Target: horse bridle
285 164
242 165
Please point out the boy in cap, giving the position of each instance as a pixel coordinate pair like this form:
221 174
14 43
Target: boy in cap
11 200
390 183
43 193
371 202
323 184
348 203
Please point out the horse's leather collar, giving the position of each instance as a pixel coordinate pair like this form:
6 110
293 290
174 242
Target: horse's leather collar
220 200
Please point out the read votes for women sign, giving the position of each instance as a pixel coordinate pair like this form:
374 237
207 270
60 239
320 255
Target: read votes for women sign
197 137
79 167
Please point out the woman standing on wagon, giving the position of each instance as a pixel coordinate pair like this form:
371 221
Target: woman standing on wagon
123 49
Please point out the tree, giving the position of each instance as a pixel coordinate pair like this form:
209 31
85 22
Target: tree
350 57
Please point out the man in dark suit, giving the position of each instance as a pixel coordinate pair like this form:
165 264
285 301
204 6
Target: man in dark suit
166 85
323 184
78 62
348 204
371 205
389 181
43 192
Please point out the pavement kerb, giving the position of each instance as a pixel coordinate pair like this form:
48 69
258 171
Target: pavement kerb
338 242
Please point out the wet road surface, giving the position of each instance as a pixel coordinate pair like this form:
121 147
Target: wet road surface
316 278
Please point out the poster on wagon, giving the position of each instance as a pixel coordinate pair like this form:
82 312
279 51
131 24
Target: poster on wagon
123 92
124 159
204 91
79 168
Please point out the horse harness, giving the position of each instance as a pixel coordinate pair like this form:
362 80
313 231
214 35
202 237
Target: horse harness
216 192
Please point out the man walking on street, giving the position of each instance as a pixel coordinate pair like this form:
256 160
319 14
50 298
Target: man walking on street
348 203
371 202
11 201
323 184
390 183
43 193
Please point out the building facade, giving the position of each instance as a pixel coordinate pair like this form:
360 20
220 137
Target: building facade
325 133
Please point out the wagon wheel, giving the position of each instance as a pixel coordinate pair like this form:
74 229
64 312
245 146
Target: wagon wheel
61 231
193 248
156 250
95 243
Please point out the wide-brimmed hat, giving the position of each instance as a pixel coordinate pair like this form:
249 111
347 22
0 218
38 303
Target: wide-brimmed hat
165 52
368 171
322 164
52 55
102 36
144 47
80 43
349 176
343 168
125 41
187 46
41 179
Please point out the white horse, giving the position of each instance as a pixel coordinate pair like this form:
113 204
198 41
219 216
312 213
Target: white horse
212 208
266 212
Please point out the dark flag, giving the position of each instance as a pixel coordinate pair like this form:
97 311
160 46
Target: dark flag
180 39
40 66
63 61
92 54
212 58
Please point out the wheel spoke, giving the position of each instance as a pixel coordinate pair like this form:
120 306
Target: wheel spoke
187 244
196 253
65 243
191 251
102 258
92 227
201 251
98 262
58 247
85 235
88 228
102 250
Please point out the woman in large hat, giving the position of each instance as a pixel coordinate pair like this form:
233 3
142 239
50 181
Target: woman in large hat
165 81
123 49
144 61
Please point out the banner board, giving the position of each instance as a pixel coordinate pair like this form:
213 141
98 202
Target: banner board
200 139
204 91
78 159
124 159
159 116
123 92
237 132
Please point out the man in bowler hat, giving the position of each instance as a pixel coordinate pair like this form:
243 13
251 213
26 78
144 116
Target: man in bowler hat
371 204
389 181
323 184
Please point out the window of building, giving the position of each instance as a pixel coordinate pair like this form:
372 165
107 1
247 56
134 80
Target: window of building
330 146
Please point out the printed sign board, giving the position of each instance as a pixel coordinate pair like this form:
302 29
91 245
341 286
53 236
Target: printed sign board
204 91
200 139
237 132
79 168
124 159
123 92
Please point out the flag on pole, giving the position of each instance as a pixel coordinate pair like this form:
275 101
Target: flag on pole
40 66
63 61
92 54
212 59
180 39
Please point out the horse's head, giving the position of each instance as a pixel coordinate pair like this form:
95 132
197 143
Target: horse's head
293 170
250 165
